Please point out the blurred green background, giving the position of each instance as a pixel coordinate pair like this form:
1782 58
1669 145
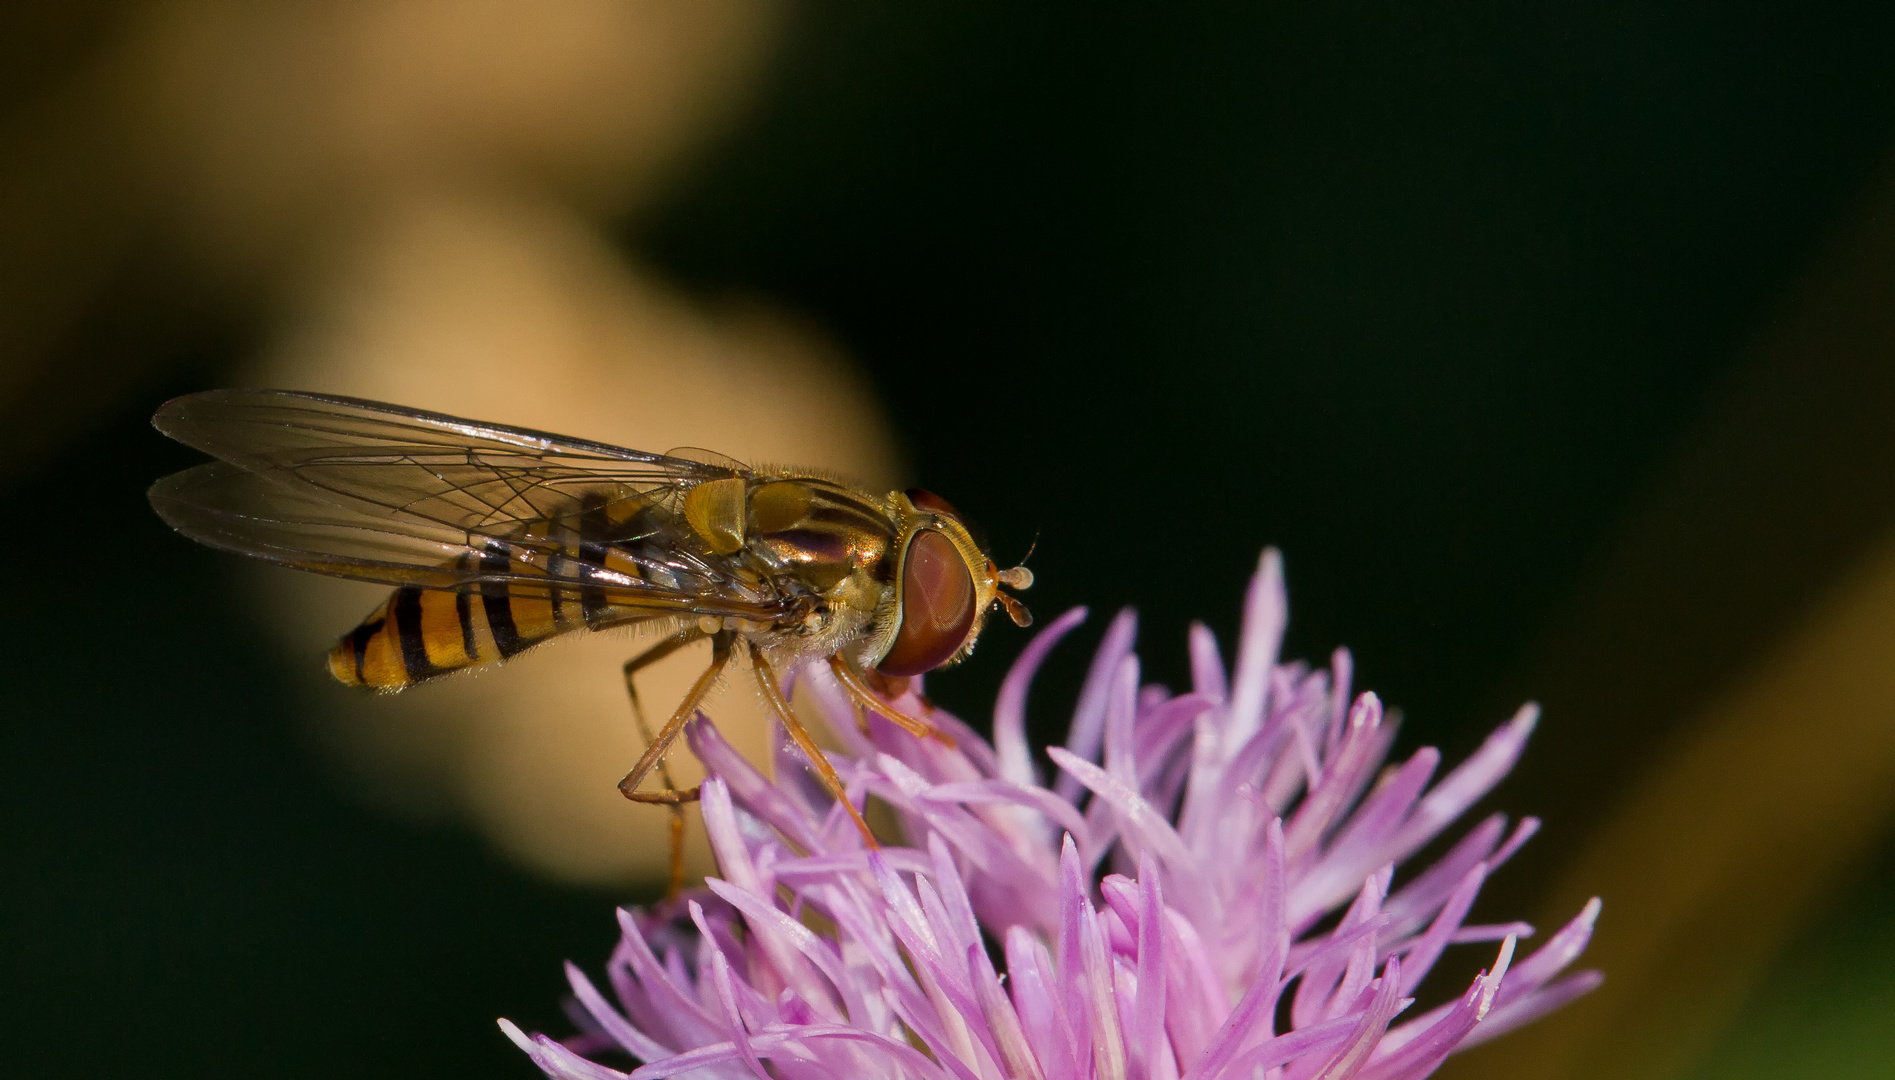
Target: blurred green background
1430 298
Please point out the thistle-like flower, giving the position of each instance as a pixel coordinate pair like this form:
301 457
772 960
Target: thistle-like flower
1233 823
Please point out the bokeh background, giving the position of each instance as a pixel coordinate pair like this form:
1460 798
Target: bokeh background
1554 346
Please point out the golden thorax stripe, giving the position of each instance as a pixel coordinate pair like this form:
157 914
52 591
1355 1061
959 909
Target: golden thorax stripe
830 510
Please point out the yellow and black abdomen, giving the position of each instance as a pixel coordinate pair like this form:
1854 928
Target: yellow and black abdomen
420 634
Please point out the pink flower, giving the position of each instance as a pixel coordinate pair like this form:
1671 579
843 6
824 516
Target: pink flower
1233 823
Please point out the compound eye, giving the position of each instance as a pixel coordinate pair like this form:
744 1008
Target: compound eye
929 502
937 606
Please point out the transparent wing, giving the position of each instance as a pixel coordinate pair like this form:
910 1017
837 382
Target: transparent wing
384 458
380 493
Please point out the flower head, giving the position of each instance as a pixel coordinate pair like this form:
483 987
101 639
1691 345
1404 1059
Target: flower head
1247 922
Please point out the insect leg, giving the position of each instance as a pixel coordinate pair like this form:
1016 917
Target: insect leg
859 693
772 693
660 743
655 752
671 796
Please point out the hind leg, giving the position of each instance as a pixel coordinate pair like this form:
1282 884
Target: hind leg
657 745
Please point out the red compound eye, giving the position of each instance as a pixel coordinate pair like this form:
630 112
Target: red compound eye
937 606
929 502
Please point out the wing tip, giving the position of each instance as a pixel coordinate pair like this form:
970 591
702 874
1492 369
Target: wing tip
252 396
181 416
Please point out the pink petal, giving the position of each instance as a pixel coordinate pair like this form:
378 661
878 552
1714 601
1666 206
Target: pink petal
1010 746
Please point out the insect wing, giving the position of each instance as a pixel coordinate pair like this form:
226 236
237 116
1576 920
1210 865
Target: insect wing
403 497
221 505
456 472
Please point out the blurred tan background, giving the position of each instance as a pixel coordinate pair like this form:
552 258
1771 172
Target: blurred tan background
1558 357
409 199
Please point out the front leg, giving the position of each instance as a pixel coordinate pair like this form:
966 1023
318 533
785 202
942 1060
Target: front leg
863 697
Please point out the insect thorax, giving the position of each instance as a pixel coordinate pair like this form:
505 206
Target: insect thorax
823 545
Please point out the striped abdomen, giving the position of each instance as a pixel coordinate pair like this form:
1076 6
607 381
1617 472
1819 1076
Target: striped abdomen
423 633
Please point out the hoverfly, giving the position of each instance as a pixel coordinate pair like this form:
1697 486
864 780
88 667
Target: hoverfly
498 538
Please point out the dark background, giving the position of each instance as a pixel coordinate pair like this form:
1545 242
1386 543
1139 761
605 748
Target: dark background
1423 297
